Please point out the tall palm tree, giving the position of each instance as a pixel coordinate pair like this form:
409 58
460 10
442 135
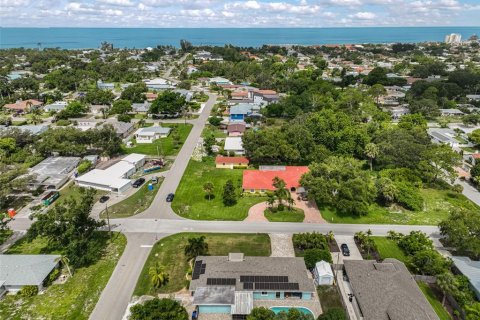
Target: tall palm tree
447 283
158 275
371 151
66 262
196 247
280 192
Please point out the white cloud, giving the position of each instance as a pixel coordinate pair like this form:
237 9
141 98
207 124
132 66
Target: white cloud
363 15
122 3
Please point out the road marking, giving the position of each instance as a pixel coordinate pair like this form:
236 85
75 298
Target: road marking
146 246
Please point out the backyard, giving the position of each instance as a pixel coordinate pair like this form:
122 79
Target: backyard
437 206
164 146
169 253
329 298
76 298
191 201
434 301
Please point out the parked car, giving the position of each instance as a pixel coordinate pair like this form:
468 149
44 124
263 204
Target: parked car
138 182
345 250
170 197
104 199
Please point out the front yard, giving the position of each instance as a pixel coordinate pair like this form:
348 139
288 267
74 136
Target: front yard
286 215
169 252
389 249
137 202
191 201
76 298
437 207
164 146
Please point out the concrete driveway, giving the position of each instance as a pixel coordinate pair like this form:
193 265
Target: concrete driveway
338 257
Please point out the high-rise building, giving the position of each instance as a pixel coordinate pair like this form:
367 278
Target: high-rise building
453 38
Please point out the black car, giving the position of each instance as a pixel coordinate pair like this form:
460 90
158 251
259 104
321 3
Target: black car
138 182
345 250
170 197
104 199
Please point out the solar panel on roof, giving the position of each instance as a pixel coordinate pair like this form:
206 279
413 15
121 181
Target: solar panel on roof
276 286
221 281
197 268
263 279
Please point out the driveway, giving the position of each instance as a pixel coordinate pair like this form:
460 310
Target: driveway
282 245
338 257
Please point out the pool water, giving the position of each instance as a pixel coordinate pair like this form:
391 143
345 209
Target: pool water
303 310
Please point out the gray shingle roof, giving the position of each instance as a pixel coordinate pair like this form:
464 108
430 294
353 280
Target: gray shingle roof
26 269
221 267
387 291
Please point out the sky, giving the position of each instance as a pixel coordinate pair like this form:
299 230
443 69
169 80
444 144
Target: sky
237 13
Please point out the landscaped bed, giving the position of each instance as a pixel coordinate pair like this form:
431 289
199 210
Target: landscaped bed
191 201
136 203
286 215
437 207
169 252
76 298
163 146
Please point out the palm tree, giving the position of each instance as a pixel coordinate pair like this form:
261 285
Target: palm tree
208 188
371 151
66 262
330 236
270 199
280 192
447 283
158 276
196 247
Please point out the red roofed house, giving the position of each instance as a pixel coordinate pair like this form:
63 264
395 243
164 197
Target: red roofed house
151 96
23 106
230 162
261 180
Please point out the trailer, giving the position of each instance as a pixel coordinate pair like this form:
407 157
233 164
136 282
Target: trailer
50 197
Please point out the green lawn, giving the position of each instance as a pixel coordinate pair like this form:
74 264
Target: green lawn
4 235
169 253
435 303
218 133
389 249
137 202
438 205
74 299
294 215
329 298
191 202
72 190
165 145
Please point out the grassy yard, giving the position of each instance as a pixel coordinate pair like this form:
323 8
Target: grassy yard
165 145
389 249
329 298
294 215
74 299
438 204
4 235
434 302
169 253
218 133
137 202
191 201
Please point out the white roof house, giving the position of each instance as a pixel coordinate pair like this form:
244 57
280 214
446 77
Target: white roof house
115 177
18 270
323 273
234 144
56 106
150 134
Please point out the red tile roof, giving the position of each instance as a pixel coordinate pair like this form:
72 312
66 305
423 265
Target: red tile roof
22 105
476 156
231 160
262 179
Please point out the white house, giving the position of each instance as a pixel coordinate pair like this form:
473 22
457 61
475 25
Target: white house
56 106
19 270
150 134
116 177
323 273
234 144
159 84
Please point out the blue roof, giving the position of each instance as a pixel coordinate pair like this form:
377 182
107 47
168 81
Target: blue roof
242 108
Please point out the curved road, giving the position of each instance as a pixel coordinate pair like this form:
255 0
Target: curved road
159 220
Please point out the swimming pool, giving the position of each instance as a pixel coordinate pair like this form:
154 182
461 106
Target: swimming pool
285 309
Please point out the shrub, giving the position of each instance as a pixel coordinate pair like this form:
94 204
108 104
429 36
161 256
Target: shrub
414 242
409 197
84 166
312 256
29 291
63 122
310 240
52 277
124 117
333 314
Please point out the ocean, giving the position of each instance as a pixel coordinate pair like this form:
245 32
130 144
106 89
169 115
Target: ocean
82 38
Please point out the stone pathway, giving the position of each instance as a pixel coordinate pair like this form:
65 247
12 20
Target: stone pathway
282 245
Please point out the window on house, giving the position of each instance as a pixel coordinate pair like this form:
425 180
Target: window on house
252 190
277 295
264 293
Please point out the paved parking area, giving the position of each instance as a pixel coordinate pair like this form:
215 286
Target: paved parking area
282 245
338 257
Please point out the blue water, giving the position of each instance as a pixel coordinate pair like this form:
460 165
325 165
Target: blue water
285 309
79 38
